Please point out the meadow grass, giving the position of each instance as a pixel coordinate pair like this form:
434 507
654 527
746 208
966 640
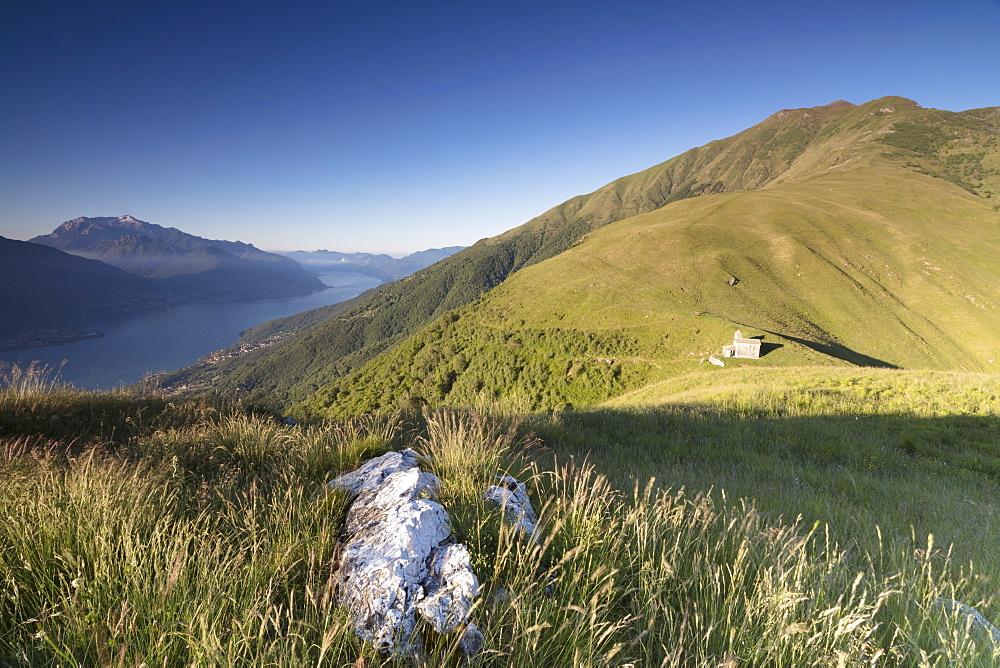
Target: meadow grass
907 451
664 577
199 539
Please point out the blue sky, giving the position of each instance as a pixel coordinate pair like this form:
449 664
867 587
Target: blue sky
395 126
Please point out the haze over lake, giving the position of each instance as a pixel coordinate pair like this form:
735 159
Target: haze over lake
173 338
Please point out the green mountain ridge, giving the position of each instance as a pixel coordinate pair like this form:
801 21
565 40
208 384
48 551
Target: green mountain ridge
839 270
578 305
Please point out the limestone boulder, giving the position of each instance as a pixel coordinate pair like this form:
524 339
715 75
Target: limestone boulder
399 561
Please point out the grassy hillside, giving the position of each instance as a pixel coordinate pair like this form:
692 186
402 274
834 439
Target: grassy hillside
790 145
140 530
870 265
856 448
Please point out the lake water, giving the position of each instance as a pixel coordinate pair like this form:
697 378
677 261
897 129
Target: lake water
176 337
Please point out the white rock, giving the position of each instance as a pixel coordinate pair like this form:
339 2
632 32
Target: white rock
512 496
399 559
451 589
371 474
450 592
975 618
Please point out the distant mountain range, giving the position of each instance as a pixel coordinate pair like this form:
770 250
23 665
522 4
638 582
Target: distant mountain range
202 269
381 266
57 287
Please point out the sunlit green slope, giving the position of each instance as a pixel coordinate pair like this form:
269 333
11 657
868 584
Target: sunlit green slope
871 266
313 349
957 150
863 253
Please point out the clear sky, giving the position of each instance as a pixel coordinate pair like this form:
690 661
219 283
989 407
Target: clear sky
394 126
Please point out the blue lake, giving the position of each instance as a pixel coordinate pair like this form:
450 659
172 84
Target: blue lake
173 338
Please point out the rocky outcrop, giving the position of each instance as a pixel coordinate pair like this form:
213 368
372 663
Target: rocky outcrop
369 476
399 560
512 496
449 595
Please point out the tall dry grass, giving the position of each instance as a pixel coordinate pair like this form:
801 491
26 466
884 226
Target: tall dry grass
201 541
660 577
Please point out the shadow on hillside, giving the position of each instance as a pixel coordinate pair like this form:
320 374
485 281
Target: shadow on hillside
697 431
839 351
855 470
766 348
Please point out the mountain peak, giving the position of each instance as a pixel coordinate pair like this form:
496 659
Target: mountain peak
147 249
895 101
811 115
839 104
105 220
85 224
